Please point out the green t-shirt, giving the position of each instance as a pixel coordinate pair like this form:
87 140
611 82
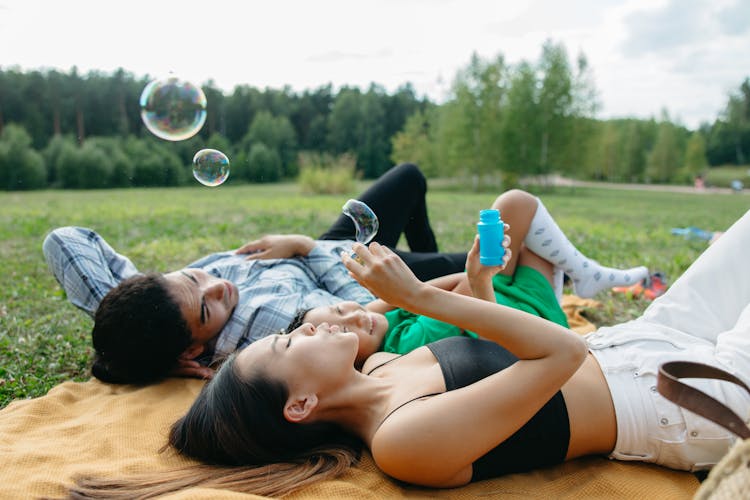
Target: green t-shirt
527 290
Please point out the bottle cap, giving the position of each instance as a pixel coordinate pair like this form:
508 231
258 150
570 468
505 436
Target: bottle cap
489 215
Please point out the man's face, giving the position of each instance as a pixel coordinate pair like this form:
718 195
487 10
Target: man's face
206 302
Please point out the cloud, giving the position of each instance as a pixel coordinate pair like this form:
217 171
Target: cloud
333 56
735 20
702 41
678 23
709 64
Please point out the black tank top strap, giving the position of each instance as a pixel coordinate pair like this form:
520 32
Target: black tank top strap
384 363
404 403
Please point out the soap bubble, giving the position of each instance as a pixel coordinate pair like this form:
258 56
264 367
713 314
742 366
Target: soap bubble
173 109
365 220
210 167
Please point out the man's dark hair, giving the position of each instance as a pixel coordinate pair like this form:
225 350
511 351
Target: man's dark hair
297 320
139 332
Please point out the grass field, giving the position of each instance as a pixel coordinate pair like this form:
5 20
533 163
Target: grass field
44 340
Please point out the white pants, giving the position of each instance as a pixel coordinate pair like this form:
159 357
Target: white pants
705 317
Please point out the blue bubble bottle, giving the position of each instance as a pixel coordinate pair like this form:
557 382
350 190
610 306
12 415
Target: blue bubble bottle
490 228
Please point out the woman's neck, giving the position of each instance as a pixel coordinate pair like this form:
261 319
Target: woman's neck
365 401
360 405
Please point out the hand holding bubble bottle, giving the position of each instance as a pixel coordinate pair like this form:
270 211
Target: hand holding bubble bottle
491 232
365 222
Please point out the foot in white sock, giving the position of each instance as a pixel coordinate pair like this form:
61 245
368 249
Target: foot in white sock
547 240
598 278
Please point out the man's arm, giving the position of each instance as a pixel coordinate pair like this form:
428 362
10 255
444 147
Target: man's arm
85 265
277 246
324 261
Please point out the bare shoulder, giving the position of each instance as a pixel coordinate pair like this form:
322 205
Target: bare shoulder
409 446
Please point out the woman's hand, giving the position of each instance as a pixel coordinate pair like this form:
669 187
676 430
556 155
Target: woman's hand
383 273
479 275
277 246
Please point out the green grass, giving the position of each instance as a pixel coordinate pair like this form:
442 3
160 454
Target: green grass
44 340
723 176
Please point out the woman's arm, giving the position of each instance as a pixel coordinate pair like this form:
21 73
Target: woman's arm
477 280
448 282
472 420
526 336
456 283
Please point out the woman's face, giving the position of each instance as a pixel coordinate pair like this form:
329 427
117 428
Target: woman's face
349 316
312 359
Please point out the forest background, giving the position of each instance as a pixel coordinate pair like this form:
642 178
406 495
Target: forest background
501 122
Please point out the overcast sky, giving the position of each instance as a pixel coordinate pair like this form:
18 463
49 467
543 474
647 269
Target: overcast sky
682 55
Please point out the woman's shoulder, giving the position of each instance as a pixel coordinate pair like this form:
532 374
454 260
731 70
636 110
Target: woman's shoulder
378 359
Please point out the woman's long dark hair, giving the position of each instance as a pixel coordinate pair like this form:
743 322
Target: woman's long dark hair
239 423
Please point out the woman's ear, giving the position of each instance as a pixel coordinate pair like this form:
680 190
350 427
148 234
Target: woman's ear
298 409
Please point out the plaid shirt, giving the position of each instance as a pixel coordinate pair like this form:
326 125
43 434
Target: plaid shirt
271 291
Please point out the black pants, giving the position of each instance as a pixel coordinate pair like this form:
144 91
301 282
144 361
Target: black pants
398 199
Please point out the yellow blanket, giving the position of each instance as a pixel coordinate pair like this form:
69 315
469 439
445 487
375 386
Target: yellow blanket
108 430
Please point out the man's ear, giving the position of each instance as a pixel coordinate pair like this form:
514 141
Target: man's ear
299 408
192 352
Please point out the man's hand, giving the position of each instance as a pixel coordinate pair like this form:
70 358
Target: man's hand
193 369
277 246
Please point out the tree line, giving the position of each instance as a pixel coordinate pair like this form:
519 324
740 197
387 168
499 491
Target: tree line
62 129
538 118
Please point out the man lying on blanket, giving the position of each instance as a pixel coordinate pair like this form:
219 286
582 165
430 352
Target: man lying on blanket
149 326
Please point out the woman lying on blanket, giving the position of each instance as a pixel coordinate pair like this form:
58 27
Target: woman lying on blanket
290 409
537 247
524 282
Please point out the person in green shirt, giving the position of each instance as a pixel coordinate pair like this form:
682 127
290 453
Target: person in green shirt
537 254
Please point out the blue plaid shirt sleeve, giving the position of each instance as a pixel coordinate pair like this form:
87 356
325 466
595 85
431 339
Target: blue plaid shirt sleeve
325 262
85 265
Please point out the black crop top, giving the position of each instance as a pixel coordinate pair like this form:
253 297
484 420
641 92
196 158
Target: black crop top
541 442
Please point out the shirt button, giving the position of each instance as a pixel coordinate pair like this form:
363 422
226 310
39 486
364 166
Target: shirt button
653 388
693 433
664 421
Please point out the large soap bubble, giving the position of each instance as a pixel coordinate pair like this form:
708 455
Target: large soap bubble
365 221
210 167
173 109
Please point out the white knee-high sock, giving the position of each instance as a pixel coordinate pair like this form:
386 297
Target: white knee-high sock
558 279
589 277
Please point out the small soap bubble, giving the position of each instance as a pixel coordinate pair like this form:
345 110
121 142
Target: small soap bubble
173 109
210 167
365 220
